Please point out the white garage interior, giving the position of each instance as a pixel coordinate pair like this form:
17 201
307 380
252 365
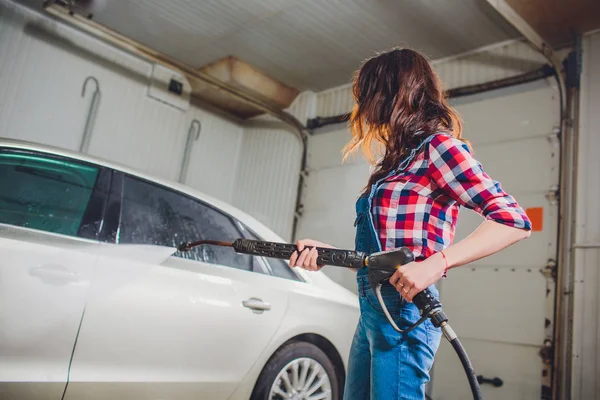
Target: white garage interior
525 135
247 102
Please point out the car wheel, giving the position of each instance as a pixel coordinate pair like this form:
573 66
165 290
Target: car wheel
297 371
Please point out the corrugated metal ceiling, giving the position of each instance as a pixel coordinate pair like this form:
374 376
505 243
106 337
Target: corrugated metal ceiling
308 44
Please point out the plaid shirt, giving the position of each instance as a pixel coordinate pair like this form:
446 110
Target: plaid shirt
418 206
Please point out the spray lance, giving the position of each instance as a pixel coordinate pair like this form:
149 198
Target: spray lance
381 266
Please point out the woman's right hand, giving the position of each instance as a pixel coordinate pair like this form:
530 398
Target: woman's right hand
307 258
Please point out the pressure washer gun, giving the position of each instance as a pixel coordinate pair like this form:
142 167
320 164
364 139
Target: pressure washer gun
381 266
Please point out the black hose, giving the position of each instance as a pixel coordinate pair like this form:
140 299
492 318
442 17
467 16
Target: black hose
466 363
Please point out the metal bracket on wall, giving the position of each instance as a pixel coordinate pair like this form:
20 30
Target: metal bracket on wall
193 135
553 195
91 115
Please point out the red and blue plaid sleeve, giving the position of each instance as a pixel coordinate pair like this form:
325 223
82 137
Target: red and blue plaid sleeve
454 170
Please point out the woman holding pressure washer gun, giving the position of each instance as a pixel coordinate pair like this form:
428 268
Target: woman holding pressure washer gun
425 172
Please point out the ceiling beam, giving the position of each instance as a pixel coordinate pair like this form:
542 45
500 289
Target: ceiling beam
559 21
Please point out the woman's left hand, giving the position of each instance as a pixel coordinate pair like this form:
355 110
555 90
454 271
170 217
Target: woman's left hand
415 277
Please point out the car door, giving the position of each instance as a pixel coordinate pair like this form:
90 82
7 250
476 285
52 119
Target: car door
161 326
50 211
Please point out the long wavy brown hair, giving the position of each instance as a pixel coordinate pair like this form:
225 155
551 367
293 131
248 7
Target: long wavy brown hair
399 101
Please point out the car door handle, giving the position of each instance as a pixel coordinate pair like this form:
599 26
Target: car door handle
256 304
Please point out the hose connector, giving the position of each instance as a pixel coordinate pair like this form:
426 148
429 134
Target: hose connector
438 318
448 332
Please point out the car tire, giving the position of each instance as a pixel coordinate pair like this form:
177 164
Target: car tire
298 361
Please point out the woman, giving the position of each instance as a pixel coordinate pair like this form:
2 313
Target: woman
424 174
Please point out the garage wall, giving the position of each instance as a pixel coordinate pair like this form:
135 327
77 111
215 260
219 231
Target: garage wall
267 177
490 63
519 124
328 178
586 335
41 80
40 100
269 167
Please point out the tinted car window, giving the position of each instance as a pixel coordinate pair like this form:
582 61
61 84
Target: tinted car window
152 214
282 269
278 267
45 193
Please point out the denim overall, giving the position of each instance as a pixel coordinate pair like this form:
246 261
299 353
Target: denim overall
383 363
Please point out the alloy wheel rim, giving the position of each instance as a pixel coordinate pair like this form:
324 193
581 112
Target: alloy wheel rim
301 379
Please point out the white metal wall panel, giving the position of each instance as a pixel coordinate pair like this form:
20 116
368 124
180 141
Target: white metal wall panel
27 111
136 130
494 62
214 156
586 354
331 188
586 335
304 106
335 101
40 100
512 133
41 82
267 177
519 364
256 169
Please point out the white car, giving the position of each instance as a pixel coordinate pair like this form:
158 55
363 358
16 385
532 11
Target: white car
96 302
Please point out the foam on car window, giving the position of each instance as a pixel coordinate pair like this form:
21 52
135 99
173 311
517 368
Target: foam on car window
152 214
